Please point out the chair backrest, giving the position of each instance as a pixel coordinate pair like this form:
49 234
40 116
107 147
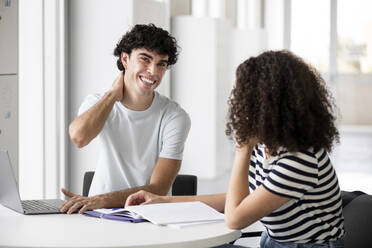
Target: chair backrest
348 196
357 211
358 222
185 185
182 185
88 177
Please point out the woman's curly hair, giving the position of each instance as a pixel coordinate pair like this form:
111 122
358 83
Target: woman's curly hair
150 37
283 102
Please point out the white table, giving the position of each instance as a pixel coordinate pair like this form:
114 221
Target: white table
60 230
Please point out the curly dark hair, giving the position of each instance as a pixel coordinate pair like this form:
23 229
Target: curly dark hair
283 102
149 37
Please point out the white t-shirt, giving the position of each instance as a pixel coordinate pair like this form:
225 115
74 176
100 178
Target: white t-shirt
132 141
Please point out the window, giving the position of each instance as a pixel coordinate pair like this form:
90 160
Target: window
354 36
335 36
310 28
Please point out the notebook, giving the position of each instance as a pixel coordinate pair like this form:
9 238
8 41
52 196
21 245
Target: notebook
176 214
9 194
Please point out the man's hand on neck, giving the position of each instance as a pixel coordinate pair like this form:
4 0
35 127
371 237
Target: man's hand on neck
117 88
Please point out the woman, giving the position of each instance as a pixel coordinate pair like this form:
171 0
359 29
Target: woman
281 117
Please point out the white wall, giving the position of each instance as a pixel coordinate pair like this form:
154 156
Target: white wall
201 83
9 117
215 50
9 37
9 81
95 27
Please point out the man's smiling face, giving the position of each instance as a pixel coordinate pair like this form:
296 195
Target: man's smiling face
144 70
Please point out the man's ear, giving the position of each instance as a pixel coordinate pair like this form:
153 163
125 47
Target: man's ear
124 59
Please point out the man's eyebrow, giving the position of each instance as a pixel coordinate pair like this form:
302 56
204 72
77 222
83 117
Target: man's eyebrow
164 61
146 55
150 57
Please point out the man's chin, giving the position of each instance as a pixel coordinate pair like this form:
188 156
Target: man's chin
147 90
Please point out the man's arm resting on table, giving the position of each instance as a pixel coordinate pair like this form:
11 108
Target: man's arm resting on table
161 180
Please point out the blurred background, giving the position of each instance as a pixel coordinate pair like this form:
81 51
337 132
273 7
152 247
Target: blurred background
55 52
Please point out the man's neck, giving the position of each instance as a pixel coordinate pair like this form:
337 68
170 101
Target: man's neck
136 102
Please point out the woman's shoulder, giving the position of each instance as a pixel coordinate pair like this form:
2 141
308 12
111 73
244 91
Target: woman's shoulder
308 157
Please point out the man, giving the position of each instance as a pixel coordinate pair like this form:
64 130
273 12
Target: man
141 132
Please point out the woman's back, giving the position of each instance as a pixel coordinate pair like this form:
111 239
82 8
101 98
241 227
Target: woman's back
314 213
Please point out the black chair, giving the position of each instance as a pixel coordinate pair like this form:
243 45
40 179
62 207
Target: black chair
357 211
358 219
182 185
348 196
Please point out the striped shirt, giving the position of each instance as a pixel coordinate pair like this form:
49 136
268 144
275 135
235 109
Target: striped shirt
314 213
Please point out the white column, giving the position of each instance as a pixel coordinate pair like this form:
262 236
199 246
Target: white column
287 24
217 8
179 7
231 11
54 98
254 14
274 24
242 12
199 8
333 42
31 101
42 98
249 14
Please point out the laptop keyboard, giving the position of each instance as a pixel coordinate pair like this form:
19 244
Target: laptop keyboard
37 205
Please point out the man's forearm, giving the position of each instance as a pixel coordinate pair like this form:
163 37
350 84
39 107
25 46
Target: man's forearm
117 199
88 125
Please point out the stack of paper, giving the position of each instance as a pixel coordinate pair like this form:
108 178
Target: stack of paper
179 214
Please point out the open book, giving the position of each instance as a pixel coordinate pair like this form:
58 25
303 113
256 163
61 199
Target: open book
177 214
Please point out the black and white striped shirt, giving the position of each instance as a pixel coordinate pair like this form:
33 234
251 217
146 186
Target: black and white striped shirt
314 213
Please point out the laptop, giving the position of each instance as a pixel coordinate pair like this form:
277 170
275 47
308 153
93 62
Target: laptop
9 194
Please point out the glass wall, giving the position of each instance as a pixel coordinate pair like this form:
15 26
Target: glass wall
310 29
335 36
354 36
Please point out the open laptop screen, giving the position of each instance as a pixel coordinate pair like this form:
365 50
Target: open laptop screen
9 195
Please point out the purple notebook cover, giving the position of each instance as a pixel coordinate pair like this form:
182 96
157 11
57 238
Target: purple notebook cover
96 214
